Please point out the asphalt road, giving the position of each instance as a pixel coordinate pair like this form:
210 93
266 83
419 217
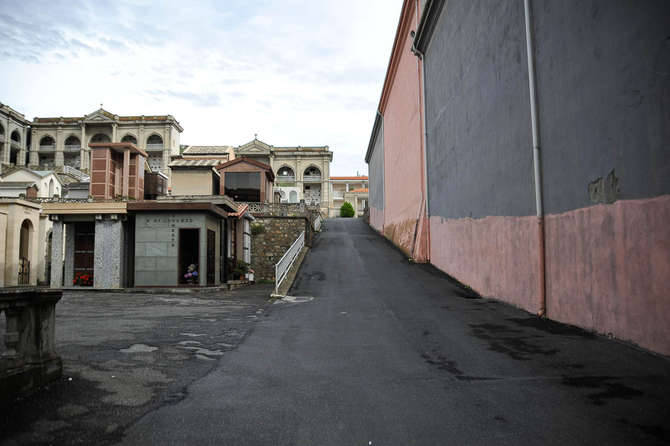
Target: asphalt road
390 353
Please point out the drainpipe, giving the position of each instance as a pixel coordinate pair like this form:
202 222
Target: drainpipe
539 207
422 109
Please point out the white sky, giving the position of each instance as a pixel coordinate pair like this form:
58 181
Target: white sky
295 72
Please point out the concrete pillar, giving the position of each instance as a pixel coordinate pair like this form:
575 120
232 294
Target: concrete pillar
108 253
126 172
8 139
68 274
57 254
59 159
83 154
34 154
114 131
141 141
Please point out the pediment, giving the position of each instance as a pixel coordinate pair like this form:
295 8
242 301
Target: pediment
100 115
255 147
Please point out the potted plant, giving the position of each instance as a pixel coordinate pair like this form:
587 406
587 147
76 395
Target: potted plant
241 269
83 279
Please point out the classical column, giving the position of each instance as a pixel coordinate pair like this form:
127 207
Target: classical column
57 254
21 159
168 139
59 159
34 154
7 145
83 152
141 143
114 128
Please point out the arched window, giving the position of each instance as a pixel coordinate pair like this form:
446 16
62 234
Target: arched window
155 142
16 136
100 137
2 130
312 173
51 188
47 142
72 142
293 197
285 172
129 138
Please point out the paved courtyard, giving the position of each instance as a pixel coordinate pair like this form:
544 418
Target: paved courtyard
125 355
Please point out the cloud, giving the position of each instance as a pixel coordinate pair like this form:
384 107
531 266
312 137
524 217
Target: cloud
298 73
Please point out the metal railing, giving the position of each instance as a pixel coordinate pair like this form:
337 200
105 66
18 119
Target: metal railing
284 265
78 174
72 148
285 179
49 148
312 178
153 147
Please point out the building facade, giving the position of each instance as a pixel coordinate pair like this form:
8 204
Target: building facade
14 136
301 173
63 141
402 216
556 202
353 190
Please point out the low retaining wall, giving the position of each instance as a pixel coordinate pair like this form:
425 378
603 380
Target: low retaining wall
28 356
271 236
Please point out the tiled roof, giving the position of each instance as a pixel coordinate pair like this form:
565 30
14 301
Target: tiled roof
365 189
349 178
240 211
200 150
195 163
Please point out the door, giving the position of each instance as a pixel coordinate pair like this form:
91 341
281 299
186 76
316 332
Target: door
189 257
211 257
84 258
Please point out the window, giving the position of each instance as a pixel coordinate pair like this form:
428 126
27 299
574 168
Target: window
129 138
243 186
100 137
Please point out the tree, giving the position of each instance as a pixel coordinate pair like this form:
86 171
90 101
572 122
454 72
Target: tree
347 210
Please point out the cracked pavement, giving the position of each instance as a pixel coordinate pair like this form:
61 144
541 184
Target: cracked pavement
125 355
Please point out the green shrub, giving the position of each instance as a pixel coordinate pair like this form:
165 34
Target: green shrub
347 210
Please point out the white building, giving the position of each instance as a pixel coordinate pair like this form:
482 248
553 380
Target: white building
14 136
63 141
14 183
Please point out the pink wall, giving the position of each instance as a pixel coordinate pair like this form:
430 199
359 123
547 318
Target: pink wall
496 256
377 219
403 162
607 266
608 269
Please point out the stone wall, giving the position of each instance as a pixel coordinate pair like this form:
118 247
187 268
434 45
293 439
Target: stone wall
270 243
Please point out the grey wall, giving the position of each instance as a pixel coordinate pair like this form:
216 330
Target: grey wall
603 73
376 171
157 247
479 148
